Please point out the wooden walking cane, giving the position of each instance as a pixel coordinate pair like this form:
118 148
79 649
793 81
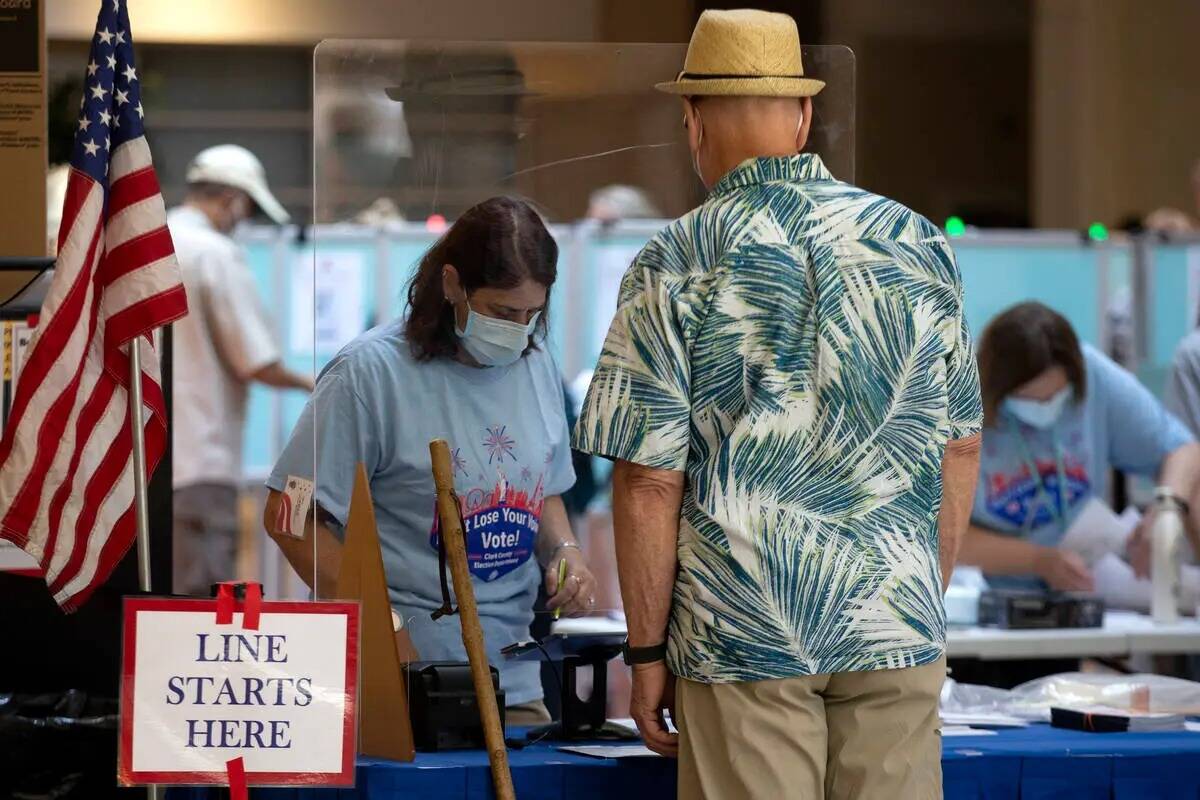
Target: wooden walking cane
454 541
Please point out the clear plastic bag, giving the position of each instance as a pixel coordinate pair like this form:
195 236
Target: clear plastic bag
1141 692
1033 700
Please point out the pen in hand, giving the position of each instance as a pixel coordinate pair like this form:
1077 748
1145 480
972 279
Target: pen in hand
562 579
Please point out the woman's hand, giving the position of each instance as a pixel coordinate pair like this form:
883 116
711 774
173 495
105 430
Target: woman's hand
577 597
1063 570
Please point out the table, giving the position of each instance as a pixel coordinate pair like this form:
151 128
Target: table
1035 763
1124 633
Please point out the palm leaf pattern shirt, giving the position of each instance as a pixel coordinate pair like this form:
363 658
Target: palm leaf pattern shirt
797 346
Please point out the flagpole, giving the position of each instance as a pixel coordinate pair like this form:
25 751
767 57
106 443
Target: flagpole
141 506
140 503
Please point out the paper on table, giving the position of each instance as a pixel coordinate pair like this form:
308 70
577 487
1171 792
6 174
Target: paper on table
612 751
964 730
1097 531
989 719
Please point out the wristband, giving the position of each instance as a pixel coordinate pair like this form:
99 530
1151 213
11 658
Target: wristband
563 546
643 655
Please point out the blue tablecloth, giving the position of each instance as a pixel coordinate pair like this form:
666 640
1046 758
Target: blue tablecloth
1036 763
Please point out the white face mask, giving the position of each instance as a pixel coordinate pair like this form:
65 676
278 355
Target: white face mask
495 342
1040 414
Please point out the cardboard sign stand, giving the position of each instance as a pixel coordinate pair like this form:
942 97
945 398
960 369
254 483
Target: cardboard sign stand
384 727
450 519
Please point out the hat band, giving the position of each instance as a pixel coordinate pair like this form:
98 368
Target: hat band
708 76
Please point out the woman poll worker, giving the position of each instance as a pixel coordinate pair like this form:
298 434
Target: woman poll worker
465 364
1059 417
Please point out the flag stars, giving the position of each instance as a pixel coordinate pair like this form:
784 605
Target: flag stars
116 123
122 97
116 6
120 36
130 74
105 35
91 147
106 143
141 113
98 92
105 117
112 62
92 67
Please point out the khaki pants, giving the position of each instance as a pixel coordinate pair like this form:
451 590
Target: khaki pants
204 538
861 735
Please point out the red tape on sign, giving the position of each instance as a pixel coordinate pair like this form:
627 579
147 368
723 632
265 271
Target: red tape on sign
237 778
252 606
225 604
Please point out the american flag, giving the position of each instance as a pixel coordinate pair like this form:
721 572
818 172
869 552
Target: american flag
66 463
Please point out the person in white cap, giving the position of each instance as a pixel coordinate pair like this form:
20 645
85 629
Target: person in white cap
789 393
224 344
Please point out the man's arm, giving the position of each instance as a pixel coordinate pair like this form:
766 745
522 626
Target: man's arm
277 375
960 472
299 552
646 505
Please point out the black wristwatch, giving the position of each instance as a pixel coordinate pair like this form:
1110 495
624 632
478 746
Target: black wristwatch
643 655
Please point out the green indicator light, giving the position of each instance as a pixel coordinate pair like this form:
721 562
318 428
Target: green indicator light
1097 232
955 226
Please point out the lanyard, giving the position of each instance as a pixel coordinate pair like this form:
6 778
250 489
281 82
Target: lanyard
1059 512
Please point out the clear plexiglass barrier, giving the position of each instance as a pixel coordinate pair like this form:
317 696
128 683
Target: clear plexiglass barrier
407 137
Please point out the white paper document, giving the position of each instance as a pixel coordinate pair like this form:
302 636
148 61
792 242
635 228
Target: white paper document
964 730
1097 531
981 719
612 751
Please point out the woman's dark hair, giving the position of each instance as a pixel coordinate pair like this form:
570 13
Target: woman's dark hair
1022 343
496 244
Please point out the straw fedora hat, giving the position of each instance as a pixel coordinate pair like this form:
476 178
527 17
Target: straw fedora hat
743 52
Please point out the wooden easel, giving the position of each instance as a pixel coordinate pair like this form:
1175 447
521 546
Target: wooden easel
384 729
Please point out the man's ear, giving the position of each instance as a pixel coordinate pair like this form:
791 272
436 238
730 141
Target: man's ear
691 121
806 108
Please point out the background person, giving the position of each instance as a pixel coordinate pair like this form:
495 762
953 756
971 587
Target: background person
224 344
465 364
784 429
1060 416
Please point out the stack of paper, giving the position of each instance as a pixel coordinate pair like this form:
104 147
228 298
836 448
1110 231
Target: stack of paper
1103 719
982 719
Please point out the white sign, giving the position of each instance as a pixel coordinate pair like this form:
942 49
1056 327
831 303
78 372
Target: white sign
328 297
196 695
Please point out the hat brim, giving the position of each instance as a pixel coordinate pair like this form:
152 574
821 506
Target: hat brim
744 87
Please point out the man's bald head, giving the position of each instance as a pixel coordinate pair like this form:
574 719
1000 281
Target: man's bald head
724 131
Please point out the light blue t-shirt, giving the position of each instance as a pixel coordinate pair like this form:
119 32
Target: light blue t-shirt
508 438
1119 425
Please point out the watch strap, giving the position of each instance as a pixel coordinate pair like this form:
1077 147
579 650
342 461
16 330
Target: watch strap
643 655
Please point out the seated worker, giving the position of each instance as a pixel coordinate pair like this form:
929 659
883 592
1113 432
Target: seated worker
1059 417
466 363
